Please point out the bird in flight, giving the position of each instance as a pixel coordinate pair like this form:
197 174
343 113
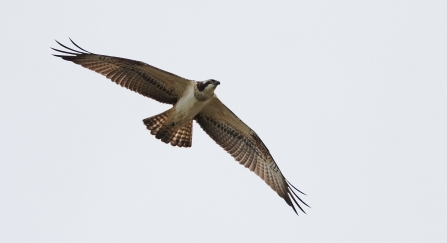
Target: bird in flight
191 100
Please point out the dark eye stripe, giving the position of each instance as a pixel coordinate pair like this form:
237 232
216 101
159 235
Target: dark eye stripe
202 85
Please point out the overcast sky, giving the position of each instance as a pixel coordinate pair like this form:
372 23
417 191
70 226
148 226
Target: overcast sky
350 97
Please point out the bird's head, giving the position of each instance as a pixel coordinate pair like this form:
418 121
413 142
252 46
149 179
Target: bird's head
205 89
210 84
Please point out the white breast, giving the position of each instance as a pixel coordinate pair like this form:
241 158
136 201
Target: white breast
187 106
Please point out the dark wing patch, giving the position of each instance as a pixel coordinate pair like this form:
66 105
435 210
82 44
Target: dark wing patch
137 76
227 130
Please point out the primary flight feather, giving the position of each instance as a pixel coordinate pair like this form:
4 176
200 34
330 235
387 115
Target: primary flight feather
191 100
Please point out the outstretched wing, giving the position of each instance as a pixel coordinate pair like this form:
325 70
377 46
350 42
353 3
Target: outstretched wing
227 130
137 76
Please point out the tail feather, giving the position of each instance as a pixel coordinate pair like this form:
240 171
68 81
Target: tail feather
167 133
183 137
154 123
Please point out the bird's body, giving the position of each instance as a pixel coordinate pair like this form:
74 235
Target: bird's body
191 103
191 100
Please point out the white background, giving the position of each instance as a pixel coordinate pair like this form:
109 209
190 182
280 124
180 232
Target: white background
349 96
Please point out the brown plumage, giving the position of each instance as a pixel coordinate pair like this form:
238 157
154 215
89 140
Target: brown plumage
239 140
137 76
191 100
158 127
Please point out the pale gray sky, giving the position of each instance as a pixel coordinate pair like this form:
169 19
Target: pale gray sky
349 96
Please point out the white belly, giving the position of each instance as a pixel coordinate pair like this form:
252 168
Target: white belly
187 107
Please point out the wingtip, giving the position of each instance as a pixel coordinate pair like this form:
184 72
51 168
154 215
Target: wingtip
79 46
294 198
296 188
73 51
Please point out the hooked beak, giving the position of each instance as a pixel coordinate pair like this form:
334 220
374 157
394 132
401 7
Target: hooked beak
216 82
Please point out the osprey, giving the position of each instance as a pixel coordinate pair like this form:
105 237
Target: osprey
191 100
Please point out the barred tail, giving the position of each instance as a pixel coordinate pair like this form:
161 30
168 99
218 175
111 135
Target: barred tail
169 133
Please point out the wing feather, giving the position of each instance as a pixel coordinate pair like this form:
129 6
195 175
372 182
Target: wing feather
137 76
241 142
